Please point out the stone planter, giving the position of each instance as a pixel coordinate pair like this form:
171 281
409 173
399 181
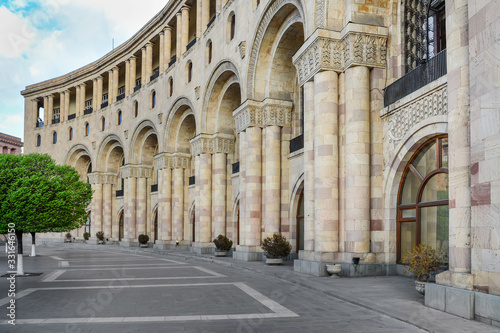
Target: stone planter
219 253
101 242
274 261
420 287
67 240
334 269
144 245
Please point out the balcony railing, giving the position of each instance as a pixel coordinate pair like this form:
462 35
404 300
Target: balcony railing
72 116
119 193
120 97
191 43
172 61
419 77
192 180
297 143
154 76
56 121
154 188
211 21
236 167
88 111
137 87
39 123
104 104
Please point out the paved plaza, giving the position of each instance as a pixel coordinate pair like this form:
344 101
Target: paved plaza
86 288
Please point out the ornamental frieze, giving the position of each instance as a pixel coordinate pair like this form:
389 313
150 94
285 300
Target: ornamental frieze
212 144
338 54
261 114
102 178
172 161
136 171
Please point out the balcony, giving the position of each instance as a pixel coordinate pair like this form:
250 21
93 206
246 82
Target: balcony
39 123
192 180
154 76
296 143
172 61
120 97
419 77
236 167
212 20
72 116
191 43
104 105
119 193
88 111
137 87
154 188
56 121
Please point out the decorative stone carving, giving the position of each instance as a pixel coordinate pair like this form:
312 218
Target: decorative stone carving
261 114
172 161
354 49
321 13
242 48
136 171
197 92
160 117
102 178
211 144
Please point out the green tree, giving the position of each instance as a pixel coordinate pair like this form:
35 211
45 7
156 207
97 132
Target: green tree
36 195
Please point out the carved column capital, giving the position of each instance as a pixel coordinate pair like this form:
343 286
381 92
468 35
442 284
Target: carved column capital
136 171
102 178
261 114
172 161
212 144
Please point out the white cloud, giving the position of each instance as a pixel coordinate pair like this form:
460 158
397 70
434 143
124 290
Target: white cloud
16 36
12 124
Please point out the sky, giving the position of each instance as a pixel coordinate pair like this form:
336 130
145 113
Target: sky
43 39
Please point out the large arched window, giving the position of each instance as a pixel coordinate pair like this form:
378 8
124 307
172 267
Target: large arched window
424 31
300 222
423 198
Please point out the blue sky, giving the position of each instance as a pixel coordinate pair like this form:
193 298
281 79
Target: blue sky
43 39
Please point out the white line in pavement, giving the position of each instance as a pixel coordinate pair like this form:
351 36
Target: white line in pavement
131 268
54 275
145 265
20 294
56 258
63 263
279 311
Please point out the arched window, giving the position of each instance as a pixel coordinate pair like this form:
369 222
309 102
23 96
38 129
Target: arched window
189 71
136 109
209 52
233 26
300 222
70 133
88 224
119 120
170 87
103 123
121 227
87 129
422 215
153 99
54 137
38 140
425 31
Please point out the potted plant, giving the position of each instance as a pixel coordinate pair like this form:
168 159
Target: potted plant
422 261
276 247
143 240
86 236
222 245
334 269
100 237
68 238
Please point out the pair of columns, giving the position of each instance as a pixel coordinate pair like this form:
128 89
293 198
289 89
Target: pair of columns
103 185
211 157
173 197
255 122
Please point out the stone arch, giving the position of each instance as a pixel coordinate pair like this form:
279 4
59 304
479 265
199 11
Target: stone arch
80 158
404 150
110 154
294 205
271 18
181 126
236 220
222 96
144 144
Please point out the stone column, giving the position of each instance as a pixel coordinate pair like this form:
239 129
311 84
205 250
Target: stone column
326 131
110 87
178 204
218 5
272 193
205 16
357 159
219 194
162 52
62 105
141 205
179 35
199 13
143 66
253 186
127 77
51 107
130 215
166 203
99 92
34 111
107 212
77 102
242 225
46 110
133 65
168 46
185 28
308 169
94 95
204 182
67 99
116 75
83 92
149 61
196 220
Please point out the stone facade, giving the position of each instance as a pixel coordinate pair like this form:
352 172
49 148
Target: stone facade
248 118
10 144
